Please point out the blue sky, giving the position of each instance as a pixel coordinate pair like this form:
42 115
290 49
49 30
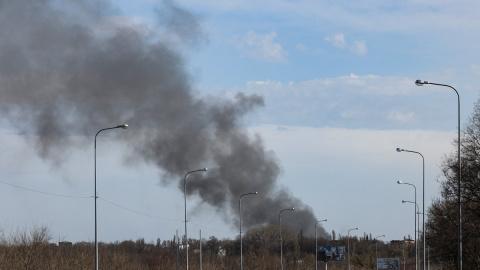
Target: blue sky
337 78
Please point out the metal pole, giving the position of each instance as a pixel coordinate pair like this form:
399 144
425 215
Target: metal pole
423 210
417 248
418 232
348 245
124 126
415 208
376 254
177 243
316 246
423 166
420 83
415 231
280 224
240 214
95 196
186 237
185 199
200 249
281 249
348 242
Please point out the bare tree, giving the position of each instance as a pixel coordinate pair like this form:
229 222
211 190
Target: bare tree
442 224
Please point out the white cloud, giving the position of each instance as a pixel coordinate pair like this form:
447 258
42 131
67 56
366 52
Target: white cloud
301 47
411 16
354 101
475 69
262 47
358 47
350 114
337 40
401 116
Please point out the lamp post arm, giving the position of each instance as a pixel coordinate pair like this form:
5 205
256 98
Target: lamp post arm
348 242
376 249
281 244
240 208
316 251
423 203
459 199
240 215
95 151
415 222
185 200
124 126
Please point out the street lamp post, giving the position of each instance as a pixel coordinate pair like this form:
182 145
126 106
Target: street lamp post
414 223
185 199
348 241
416 208
124 126
280 224
240 214
459 202
376 253
418 226
316 246
423 203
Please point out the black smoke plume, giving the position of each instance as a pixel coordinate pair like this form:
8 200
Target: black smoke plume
74 67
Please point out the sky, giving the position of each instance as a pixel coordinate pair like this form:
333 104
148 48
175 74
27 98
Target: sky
336 81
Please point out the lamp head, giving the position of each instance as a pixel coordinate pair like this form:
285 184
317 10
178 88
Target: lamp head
400 150
204 169
124 126
254 192
399 182
403 201
286 209
420 82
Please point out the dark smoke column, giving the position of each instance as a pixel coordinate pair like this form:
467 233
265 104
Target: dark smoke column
68 69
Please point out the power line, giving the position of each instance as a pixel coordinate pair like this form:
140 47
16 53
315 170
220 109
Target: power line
46 193
137 212
109 202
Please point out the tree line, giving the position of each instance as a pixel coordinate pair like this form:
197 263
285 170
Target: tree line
32 249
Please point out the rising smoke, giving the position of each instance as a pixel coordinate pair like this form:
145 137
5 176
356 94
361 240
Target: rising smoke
73 67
